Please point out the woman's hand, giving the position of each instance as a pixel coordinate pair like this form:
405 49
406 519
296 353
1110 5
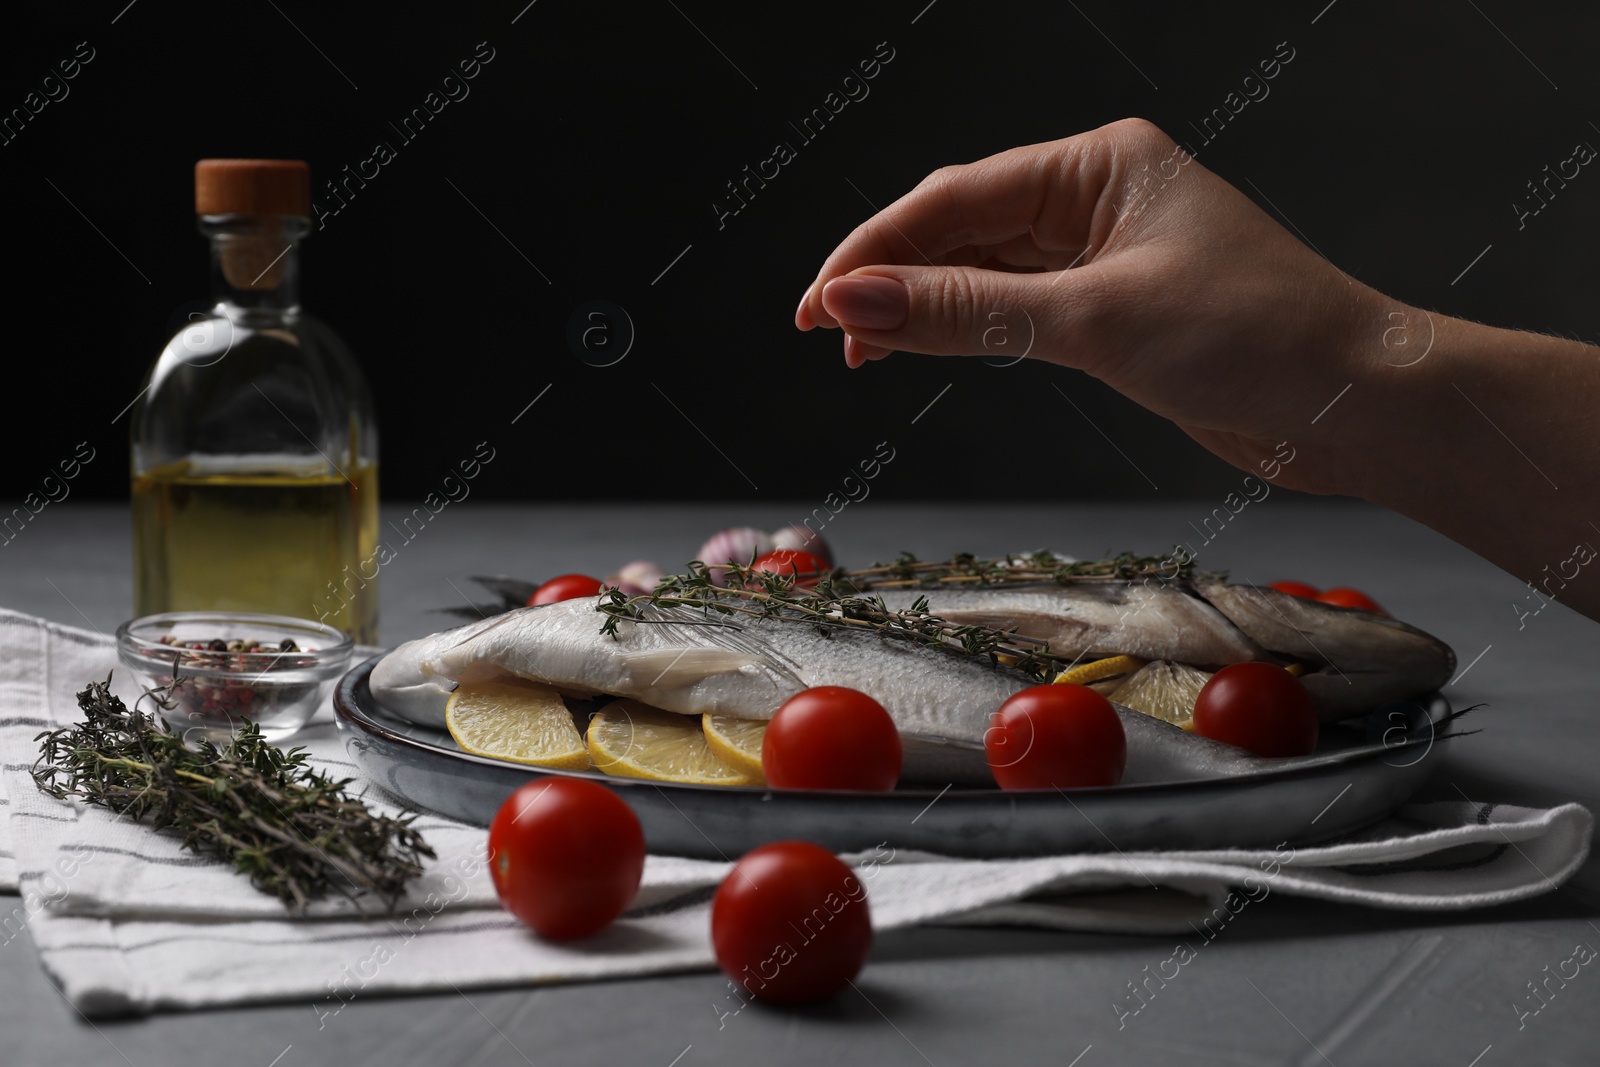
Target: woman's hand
1116 253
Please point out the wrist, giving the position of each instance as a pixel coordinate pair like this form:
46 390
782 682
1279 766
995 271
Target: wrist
1370 416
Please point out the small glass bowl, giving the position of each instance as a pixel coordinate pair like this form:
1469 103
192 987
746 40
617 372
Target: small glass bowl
277 689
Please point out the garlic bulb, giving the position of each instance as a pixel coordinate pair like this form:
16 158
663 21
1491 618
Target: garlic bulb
737 544
637 578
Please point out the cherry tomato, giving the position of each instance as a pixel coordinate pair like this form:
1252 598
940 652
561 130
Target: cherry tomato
1351 598
565 587
803 567
1258 707
830 737
790 923
1299 589
566 855
1061 736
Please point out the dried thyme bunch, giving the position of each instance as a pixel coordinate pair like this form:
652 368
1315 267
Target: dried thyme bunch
292 829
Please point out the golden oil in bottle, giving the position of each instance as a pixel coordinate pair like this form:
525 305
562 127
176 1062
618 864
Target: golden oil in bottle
267 541
255 449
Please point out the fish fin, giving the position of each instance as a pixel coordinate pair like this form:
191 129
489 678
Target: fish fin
671 668
701 629
493 622
515 591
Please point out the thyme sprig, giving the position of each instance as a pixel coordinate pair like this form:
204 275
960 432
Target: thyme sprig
832 605
292 829
838 600
967 570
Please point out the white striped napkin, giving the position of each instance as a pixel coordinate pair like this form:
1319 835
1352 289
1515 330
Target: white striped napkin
125 921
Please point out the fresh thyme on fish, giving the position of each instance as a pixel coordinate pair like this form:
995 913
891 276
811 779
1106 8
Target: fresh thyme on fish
294 830
967 570
835 601
962 571
828 605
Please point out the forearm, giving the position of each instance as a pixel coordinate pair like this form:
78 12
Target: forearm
1492 438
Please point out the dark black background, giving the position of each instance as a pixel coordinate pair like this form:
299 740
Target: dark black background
599 136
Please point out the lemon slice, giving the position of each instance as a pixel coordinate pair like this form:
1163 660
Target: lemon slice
1099 670
1164 690
737 742
521 723
630 740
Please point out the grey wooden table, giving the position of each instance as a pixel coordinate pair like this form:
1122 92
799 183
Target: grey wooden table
1291 982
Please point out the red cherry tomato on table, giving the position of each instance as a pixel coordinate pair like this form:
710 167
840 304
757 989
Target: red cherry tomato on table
1299 589
830 737
566 856
1258 707
790 923
803 567
565 587
1351 598
1061 736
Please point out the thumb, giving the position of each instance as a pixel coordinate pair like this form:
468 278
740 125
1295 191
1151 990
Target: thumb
962 311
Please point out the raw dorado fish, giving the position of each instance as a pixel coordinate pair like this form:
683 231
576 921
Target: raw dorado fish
941 701
1354 660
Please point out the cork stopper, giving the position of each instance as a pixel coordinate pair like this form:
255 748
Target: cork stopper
252 187
267 188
